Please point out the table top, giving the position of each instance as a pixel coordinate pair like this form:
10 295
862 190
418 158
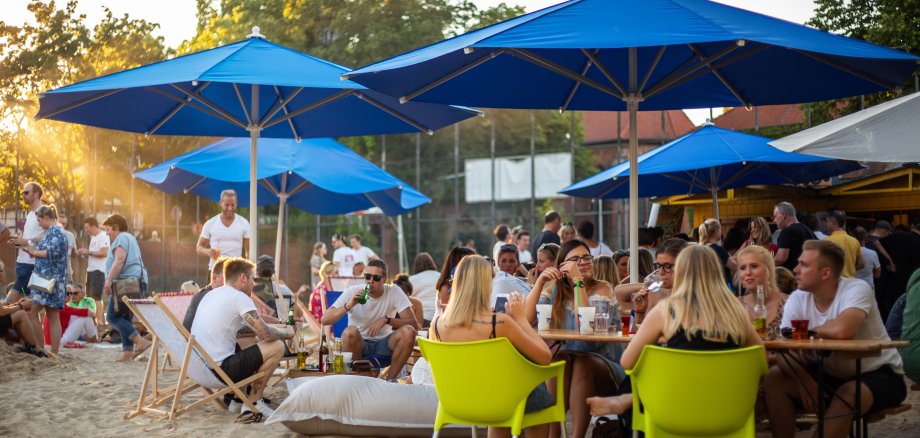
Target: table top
776 344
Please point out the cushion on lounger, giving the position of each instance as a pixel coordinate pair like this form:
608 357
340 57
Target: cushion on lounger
361 406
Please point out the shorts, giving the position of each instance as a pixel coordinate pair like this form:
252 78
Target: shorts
377 347
6 323
538 399
242 364
887 387
23 272
95 280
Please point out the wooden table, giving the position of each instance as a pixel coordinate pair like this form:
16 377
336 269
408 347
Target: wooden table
575 335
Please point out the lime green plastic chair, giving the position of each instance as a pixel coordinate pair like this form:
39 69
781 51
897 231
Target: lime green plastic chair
486 383
696 393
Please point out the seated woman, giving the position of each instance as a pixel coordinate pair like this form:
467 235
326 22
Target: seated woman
755 267
700 314
592 368
468 317
402 280
636 296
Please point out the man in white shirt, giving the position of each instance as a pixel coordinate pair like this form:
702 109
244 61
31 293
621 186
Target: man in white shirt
383 326
343 257
363 254
836 308
31 235
522 241
228 310
226 234
95 263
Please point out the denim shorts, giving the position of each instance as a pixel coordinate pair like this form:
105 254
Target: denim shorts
378 347
538 399
23 272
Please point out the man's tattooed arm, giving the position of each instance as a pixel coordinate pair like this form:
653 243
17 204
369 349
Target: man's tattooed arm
264 331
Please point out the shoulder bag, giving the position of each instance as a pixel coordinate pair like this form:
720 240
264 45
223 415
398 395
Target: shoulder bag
41 283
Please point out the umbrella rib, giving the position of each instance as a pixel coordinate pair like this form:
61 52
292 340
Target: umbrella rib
673 78
715 72
195 184
80 102
651 68
558 69
745 171
239 96
393 112
604 71
197 96
575 86
156 127
269 186
862 75
196 106
310 107
773 168
613 187
699 73
440 81
303 184
281 104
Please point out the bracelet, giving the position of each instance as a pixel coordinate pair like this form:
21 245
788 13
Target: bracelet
346 307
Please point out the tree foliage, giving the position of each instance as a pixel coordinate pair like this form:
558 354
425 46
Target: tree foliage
890 23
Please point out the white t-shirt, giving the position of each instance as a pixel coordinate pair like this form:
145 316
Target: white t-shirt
851 293
504 284
96 243
363 255
525 256
495 249
423 289
392 301
601 249
870 263
218 318
228 239
345 258
31 231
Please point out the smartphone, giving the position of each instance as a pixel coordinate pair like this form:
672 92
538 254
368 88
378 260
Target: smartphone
500 302
529 265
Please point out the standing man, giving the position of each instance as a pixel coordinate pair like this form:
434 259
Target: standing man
522 241
95 264
363 254
792 235
31 235
71 245
836 308
552 222
226 234
853 261
343 257
227 310
384 326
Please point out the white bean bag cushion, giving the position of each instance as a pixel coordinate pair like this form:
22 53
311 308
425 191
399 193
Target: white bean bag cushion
361 406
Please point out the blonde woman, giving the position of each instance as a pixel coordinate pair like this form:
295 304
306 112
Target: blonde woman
700 314
566 233
469 317
316 262
710 235
755 267
605 269
760 234
318 296
592 368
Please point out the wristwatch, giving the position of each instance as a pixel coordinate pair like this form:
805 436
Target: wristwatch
388 319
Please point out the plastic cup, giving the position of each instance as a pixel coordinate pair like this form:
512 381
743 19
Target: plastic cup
544 315
423 334
799 329
585 320
346 355
624 325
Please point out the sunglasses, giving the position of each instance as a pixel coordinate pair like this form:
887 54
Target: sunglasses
26 192
587 258
368 277
666 267
70 293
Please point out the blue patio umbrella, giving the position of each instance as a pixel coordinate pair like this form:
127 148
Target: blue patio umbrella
320 176
252 88
708 160
611 55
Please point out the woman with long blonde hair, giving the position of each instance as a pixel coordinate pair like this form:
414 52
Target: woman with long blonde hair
756 267
700 314
469 317
605 269
318 296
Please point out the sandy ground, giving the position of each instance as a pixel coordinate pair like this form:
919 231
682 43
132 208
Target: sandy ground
88 393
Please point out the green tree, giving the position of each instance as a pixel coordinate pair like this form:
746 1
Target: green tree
890 23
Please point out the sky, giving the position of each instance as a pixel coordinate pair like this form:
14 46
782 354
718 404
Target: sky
177 17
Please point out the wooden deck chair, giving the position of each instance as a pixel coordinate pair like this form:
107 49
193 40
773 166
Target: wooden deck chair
178 303
196 365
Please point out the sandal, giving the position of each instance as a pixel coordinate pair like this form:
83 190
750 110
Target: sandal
138 350
250 417
73 345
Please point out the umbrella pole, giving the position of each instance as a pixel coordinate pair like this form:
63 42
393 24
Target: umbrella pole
632 104
282 196
254 132
715 192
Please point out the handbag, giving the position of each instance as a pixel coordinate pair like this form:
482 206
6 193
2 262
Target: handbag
130 287
41 283
606 428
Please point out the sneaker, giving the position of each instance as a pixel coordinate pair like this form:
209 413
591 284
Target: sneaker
235 407
262 407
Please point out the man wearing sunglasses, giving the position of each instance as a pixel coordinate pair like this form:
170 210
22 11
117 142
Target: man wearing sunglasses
79 325
383 326
31 234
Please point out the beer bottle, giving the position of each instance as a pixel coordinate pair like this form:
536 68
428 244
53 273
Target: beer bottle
301 354
363 298
323 351
760 314
290 320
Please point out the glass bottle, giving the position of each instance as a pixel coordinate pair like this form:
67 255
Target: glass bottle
760 313
290 318
363 298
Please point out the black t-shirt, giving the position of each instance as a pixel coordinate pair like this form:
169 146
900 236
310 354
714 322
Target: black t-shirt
540 239
792 238
723 257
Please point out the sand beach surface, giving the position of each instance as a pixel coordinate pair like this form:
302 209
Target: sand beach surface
85 393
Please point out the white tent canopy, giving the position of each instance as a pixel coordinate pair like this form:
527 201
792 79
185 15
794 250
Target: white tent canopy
887 132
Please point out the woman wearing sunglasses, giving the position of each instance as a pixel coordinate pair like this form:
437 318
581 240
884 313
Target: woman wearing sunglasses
592 368
643 297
